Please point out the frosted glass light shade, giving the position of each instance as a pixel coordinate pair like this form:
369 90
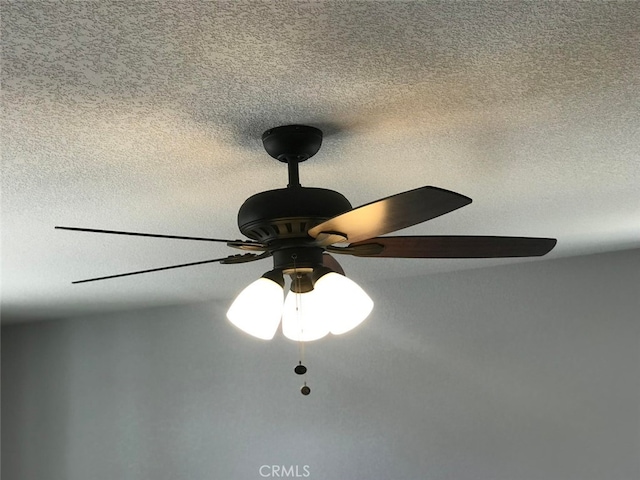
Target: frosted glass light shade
304 317
258 308
346 305
336 305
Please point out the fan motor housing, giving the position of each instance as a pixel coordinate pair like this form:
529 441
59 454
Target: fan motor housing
288 213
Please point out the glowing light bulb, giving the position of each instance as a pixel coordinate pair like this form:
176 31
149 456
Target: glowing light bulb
258 308
348 303
303 317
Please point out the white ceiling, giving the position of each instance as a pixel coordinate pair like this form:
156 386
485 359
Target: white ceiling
147 116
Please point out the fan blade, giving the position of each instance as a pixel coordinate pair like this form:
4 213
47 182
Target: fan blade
331 263
248 257
389 214
451 247
236 243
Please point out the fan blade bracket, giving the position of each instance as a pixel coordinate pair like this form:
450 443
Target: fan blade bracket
243 258
362 250
331 263
247 245
324 239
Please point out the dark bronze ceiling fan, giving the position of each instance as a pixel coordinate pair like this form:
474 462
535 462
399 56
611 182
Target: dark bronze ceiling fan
298 226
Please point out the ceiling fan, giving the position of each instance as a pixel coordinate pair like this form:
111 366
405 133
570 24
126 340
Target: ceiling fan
300 227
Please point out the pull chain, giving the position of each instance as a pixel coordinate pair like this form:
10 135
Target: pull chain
300 369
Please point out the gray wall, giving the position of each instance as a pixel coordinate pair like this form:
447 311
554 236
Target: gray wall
520 372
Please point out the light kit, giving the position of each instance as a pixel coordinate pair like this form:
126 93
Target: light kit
320 301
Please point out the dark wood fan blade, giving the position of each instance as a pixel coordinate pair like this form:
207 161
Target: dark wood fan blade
389 214
330 262
248 257
154 235
453 247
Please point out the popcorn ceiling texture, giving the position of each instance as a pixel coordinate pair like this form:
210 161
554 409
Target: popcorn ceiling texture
147 116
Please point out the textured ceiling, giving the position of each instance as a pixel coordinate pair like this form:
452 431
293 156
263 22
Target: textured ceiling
146 116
